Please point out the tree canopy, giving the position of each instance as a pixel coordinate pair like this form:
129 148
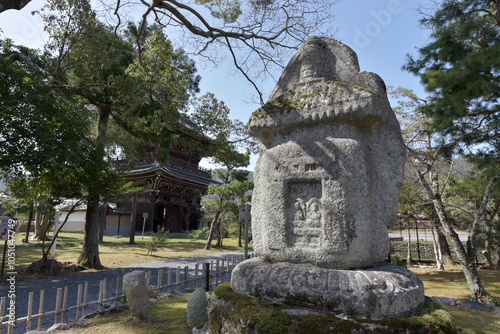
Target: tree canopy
116 96
256 36
460 69
94 79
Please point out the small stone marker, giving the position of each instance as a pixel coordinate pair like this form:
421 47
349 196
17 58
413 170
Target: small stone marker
136 292
197 308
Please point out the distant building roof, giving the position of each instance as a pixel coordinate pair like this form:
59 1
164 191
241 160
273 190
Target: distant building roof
172 173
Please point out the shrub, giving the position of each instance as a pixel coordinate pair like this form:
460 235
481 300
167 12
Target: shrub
158 239
200 233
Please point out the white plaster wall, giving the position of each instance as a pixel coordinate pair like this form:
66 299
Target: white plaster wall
76 223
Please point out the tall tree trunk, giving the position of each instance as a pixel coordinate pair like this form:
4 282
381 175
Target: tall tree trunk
89 256
41 226
443 244
437 251
213 226
488 248
474 283
30 218
220 236
478 215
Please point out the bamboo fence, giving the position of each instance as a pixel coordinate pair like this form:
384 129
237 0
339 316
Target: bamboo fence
207 275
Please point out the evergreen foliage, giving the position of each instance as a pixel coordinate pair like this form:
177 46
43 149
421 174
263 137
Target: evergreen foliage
460 68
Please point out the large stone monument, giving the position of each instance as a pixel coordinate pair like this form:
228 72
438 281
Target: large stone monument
330 170
327 184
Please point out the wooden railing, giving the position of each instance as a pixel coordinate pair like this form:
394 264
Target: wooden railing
206 275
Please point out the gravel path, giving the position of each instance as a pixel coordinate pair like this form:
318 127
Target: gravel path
51 284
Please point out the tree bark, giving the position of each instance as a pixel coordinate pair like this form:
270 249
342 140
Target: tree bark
474 283
478 215
41 225
220 235
89 256
437 251
212 229
30 218
488 248
443 244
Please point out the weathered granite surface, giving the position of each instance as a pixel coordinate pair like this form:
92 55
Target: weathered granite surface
136 291
386 291
197 308
330 169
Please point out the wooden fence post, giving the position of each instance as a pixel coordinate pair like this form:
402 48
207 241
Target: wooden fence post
160 281
196 276
148 278
117 288
30 311
65 299
2 308
217 273
104 289
207 276
40 309
86 289
78 301
177 278
99 302
169 281
221 275
58 305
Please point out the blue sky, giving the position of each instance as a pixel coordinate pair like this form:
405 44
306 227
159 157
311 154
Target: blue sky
381 32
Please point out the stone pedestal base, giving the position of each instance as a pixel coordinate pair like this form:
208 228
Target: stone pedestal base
386 291
234 313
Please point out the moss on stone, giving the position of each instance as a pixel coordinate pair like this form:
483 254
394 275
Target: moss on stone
293 100
352 86
258 316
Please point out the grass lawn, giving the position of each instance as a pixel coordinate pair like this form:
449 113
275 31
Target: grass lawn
116 252
168 315
451 283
